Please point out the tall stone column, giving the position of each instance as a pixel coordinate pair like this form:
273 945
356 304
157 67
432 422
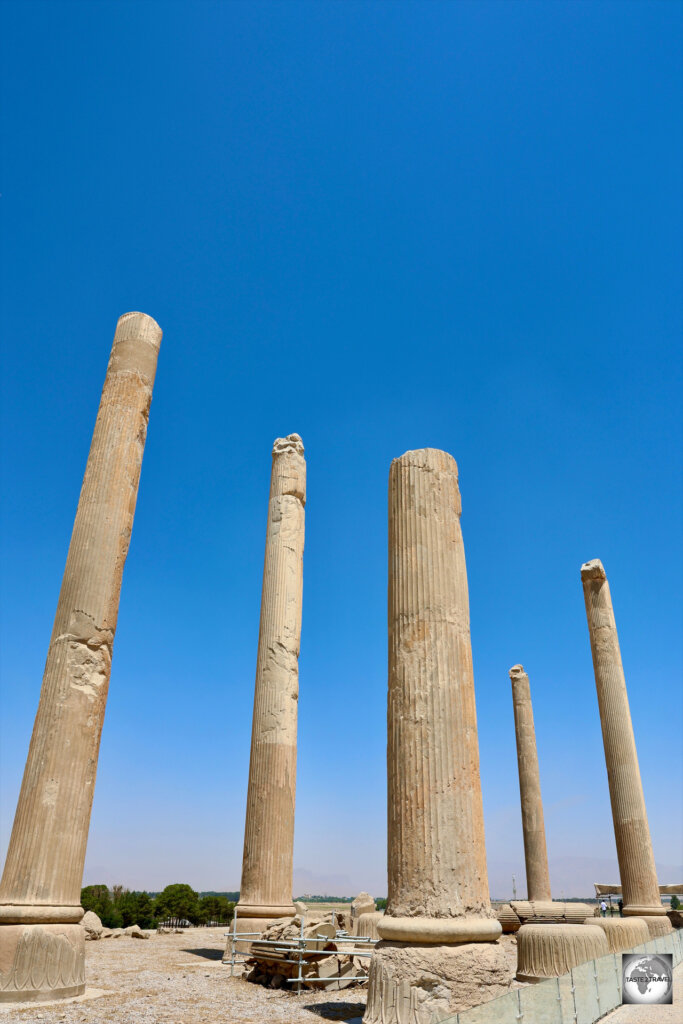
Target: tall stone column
535 852
439 932
553 937
640 891
266 889
41 941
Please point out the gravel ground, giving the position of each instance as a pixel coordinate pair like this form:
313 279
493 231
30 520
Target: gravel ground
179 979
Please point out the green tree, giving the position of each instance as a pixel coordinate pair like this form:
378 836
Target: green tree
215 908
675 903
381 903
98 899
145 910
177 901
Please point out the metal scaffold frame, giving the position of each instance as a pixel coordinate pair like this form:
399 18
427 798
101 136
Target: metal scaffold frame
300 950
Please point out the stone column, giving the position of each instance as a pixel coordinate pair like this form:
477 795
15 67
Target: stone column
640 891
535 852
439 948
41 941
266 889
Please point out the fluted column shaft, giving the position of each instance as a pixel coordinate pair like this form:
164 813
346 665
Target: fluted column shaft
640 890
437 857
437 951
266 889
535 852
44 867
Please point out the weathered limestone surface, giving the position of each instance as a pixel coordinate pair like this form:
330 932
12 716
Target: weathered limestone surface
535 852
439 950
549 950
621 932
657 925
92 926
266 889
554 912
366 924
509 921
41 941
640 891
363 904
422 983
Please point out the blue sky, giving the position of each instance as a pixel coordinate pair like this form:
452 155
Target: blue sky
383 226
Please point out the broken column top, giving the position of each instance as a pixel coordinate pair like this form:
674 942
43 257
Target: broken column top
516 671
438 494
143 320
284 445
136 347
593 570
288 477
429 459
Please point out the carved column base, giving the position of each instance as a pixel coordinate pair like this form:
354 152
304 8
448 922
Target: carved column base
657 925
621 932
508 919
550 911
418 983
550 950
366 924
439 930
41 961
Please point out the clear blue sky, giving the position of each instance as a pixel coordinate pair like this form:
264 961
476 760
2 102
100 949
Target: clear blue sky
384 226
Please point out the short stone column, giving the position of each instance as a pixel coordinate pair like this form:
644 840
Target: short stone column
41 941
640 891
439 952
266 889
535 852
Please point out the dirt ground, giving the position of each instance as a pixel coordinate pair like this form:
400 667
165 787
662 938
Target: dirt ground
179 979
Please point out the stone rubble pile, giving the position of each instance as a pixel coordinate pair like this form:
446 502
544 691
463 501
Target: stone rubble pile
327 957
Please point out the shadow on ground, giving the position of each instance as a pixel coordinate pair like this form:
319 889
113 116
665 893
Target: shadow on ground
337 1011
208 954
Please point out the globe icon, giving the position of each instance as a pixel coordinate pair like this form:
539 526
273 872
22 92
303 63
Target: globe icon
647 979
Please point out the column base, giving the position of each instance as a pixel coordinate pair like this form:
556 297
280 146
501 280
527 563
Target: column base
657 925
41 962
365 925
417 983
550 950
622 933
550 911
509 921
439 930
254 919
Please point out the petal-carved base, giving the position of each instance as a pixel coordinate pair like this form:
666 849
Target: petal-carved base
550 950
621 932
420 983
41 962
658 926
